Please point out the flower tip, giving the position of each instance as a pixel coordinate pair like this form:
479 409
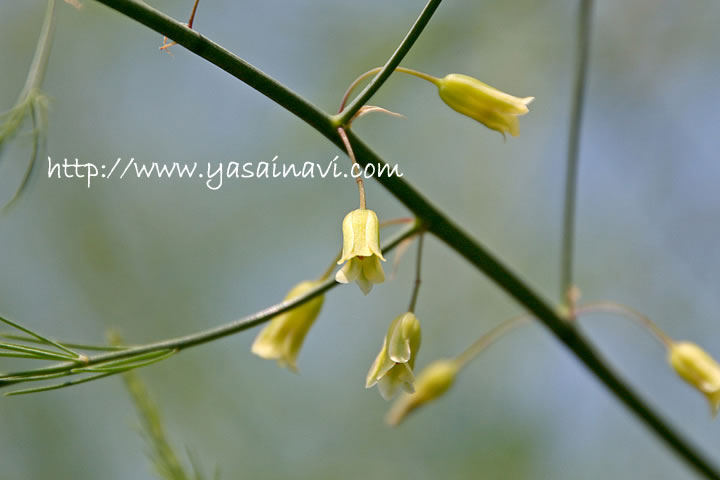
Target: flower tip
527 100
365 285
292 366
340 277
698 369
262 349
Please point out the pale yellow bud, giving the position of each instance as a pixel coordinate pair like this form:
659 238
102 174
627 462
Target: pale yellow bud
431 383
393 366
491 107
698 369
361 250
282 338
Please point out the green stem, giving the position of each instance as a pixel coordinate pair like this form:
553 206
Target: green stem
437 222
344 117
369 73
418 271
40 338
181 343
37 352
60 385
79 346
36 74
571 175
30 97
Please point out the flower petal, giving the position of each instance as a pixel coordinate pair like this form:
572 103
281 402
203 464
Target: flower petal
372 269
349 272
380 367
372 234
364 284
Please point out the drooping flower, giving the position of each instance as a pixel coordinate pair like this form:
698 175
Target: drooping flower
431 383
393 366
282 338
361 250
698 369
491 107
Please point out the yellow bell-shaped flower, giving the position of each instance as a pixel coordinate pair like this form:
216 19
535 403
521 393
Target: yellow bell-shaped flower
282 338
698 369
361 250
491 107
393 366
431 383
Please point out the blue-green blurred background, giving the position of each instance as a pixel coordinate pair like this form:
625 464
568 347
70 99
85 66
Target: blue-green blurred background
160 258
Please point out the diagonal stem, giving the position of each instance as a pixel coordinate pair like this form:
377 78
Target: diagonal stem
438 223
205 336
347 114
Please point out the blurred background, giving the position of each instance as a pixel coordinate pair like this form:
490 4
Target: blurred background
161 258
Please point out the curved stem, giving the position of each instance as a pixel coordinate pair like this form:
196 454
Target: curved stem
488 339
437 222
597 307
344 117
571 175
181 343
616 308
369 73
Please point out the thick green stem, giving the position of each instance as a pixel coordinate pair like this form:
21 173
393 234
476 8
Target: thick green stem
438 223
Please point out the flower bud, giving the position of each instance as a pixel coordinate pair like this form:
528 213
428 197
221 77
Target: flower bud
394 364
431 383
698 369
361 250
282 338
491 107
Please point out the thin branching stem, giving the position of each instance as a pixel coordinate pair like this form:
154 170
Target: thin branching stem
181 343
31 100
40 338
470 353
627 312
58 386
348 113
591 308
436 222
36 74
358 179
78 346
573 151
375 70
